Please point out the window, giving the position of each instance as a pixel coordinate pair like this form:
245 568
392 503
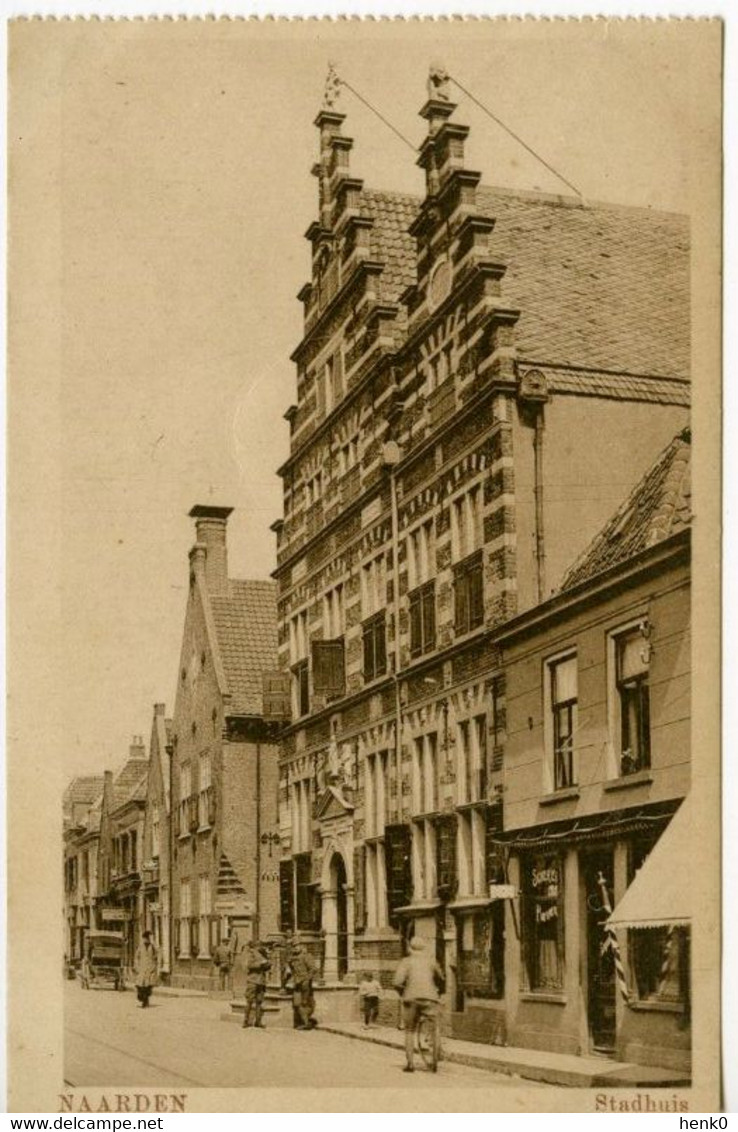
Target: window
375 647
314 488
425 774
468 594
471 834
466 523
185 790
658 958
543 922
300 811
348 455
206 909
424 860
632 655
205 791
481 950
375 793
333 613
420 563
563 691
299 664
423 619
373 586
398 866
185 911
334 376
471 767
306 895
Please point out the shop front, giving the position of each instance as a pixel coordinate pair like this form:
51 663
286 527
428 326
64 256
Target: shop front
574 982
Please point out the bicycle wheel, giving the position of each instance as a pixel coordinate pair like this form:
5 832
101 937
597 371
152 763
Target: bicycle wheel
426 1041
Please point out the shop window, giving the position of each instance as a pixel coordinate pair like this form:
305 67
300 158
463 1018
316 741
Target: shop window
543 922
375 648
468 594
423 619
563 701
658 958
632 655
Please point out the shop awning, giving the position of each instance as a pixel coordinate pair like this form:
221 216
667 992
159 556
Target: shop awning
661 893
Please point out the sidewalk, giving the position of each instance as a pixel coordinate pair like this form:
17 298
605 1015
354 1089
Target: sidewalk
535 1065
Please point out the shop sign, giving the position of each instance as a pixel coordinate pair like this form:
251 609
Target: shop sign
115 915
547 876
502 892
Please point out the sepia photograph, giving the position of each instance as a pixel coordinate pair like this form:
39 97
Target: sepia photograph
363 527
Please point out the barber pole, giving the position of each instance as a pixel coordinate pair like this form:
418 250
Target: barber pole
611 941
666 962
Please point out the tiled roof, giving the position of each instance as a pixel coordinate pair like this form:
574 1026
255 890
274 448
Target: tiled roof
599 286
659 506
83 791
130 784
619 387
246 628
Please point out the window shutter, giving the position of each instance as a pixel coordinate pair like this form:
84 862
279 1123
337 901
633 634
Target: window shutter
359 888
446 857
276 695
368 653
329 667
461 601
286 907
398 868
380 647
429 616
416 625
476 595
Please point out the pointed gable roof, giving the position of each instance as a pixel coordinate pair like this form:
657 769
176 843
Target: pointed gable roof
245 626
130 784
659 506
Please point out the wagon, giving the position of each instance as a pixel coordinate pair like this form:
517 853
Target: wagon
102 964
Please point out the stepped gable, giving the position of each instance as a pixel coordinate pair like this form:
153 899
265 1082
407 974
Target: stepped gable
599 286
246 629
659 506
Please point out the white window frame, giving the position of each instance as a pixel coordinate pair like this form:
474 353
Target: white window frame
614 721
334 612
467 536
549 664
185 912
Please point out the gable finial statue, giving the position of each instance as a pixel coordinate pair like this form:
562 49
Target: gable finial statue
438 82
332 87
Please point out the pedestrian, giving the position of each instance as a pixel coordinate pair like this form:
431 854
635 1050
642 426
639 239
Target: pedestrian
257 965
223 962
303 996
369 991
146 966
419 980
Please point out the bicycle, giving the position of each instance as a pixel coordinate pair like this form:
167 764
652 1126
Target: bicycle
428 1035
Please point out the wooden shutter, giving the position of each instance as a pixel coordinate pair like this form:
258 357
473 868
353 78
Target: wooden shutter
329 667
461 601
276 695
447 881
416 625
360 888
476 594
398 868
368 652
286 905
429 616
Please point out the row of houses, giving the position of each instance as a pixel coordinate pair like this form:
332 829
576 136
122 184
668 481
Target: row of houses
461 707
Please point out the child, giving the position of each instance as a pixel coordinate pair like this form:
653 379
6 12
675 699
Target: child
369 989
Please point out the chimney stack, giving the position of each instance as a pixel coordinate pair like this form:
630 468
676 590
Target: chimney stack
210 554
137 750
160 709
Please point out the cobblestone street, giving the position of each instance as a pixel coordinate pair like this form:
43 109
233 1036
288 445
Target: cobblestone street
184 1042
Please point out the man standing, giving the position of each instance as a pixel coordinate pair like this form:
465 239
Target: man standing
257 965
303 997
146 966
223 961
419 980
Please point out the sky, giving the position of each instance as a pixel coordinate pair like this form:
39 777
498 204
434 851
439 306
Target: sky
183 195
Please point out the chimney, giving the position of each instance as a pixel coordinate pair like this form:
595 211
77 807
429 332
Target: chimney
137 749
210 554
160 709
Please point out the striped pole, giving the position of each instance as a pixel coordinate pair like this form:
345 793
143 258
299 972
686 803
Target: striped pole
611 942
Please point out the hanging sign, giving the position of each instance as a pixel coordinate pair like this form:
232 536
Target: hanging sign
502 892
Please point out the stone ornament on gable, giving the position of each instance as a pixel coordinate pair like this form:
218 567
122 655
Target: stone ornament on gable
438 82
332 89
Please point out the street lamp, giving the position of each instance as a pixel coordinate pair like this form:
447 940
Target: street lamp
270 839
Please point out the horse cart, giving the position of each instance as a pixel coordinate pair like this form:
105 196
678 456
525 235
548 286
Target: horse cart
103 960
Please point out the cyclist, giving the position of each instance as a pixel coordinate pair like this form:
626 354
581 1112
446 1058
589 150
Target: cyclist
419 980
